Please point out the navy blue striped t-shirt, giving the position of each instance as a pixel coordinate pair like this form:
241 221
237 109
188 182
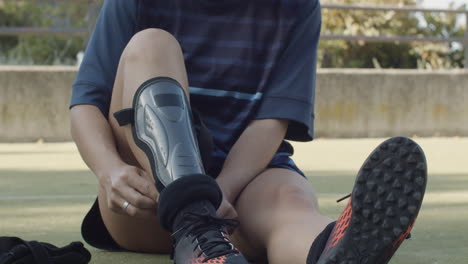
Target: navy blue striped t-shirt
245 60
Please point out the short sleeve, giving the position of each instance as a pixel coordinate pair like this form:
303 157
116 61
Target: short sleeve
115 26
290 93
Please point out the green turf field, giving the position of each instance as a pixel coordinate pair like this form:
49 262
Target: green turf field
45 191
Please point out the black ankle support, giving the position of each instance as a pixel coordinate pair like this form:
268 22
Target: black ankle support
184 191
319 244
201 207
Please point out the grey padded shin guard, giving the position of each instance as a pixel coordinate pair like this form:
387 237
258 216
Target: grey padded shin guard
163 129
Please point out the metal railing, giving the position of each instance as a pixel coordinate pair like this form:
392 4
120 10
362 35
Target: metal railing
463 40
93 7
91 15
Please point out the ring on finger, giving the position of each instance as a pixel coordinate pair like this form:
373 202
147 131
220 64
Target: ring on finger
125 205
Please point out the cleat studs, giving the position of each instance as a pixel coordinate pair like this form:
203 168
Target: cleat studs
378 205
376 173
371 185
402 203
412 209
404 221
403 153
398 168
390 198
388 162
367 167
408 175
375 233
361 179
415 150
393 147
390 212
366 227
417 196
396 184
411 159
355 230
397 231
421 166
358 191
387 240
384 146
376 219
375 157
356 221
388 177
420 181
362 248
366 213
357 207
380 191
377 247
367 199
408 189
386 224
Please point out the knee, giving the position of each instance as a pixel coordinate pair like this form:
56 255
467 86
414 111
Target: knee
293 196
151 44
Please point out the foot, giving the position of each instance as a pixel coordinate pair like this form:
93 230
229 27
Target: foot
203 239
384 204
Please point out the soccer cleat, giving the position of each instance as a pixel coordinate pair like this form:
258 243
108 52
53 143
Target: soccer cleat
203 239
384 204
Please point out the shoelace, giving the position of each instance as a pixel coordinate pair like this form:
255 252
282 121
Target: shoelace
349 195
199 224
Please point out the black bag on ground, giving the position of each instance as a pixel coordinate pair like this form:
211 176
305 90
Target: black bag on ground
14 250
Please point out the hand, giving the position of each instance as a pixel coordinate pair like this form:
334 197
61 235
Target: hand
130 192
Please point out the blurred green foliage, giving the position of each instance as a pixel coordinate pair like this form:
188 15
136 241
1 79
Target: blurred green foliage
42 49
353 54
48 49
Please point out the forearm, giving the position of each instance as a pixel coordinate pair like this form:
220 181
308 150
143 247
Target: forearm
250 155
94 138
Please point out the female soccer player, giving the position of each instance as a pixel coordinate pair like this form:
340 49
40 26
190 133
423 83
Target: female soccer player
181 109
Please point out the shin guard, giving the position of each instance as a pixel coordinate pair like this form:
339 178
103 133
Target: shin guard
162 126
163 129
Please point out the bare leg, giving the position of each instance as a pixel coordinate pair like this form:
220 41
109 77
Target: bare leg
279 217
150 53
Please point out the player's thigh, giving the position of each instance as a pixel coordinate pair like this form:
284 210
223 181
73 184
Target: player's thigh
267 203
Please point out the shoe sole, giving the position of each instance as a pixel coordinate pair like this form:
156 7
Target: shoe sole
386 200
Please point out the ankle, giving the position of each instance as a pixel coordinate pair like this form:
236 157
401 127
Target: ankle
203 207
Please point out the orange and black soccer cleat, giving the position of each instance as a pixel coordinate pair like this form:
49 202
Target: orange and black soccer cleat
202 238
384 204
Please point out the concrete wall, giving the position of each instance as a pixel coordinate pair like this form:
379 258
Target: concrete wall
349 103
376 103
34 103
